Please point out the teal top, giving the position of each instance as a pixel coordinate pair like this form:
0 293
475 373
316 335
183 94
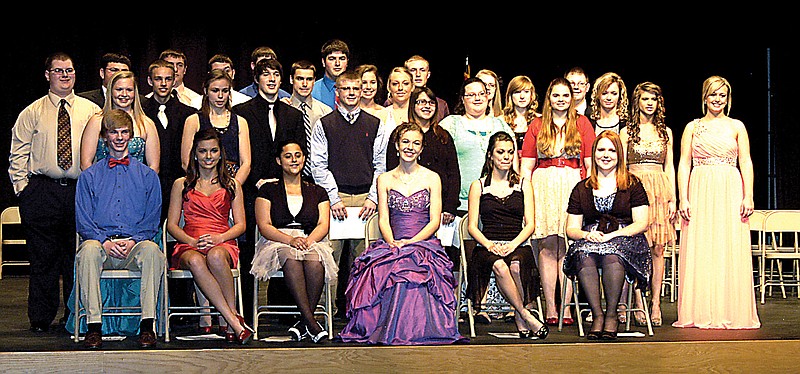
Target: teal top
135 149
471 138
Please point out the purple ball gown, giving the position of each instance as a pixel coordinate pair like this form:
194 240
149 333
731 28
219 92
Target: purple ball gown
403 296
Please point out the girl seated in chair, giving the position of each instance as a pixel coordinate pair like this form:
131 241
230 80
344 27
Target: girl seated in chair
607 216
293 217
206 243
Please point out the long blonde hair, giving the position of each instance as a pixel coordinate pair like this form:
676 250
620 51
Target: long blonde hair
139 126
600 86
545 141
519 83
496 104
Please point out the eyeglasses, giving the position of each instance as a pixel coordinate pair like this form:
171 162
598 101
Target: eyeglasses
578 84
425 102
115 70
473 95
61 71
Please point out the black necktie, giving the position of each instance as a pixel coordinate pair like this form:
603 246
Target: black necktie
307 123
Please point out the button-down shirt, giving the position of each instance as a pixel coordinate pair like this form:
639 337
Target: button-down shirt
325 90
319 160
252 90
34 139
123 200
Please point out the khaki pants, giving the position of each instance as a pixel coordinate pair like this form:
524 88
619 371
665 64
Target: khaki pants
91 259
356 246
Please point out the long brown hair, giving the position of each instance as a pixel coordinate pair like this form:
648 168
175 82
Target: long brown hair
658 116
488 166
438 131
624 178
193 171
545 141
519 83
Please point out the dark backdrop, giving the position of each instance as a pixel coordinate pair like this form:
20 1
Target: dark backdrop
761 72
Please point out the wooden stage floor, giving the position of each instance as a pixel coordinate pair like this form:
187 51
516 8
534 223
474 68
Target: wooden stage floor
767 349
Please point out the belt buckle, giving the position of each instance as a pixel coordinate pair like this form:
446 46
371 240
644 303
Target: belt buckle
561 162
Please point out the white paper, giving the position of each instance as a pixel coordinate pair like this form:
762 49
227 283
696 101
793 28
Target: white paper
200 337
106 338
631 334
351 227
276 339
448 234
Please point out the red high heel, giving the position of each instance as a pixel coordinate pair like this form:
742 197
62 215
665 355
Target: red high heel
246 335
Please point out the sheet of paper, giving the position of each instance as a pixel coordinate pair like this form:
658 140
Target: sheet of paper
276 339
448 234
200 337
351 227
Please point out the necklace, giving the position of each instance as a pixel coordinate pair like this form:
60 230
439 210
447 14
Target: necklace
406 178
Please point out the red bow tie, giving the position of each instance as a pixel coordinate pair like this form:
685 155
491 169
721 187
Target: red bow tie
114 162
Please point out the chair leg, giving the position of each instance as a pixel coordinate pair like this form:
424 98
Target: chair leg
471 318
255 309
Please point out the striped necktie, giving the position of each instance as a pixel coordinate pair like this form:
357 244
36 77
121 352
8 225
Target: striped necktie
307 123
64 138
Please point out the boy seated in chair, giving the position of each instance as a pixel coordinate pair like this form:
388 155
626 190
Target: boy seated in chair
117 209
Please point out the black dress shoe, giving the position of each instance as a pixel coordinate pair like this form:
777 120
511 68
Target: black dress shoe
147 339
39 327
594 335
93 340
608 335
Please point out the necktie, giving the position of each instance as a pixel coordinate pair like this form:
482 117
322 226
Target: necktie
162 117
271 116
114 162
64 138
307 124
350 117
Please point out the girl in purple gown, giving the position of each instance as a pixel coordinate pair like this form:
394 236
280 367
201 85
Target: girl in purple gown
402 289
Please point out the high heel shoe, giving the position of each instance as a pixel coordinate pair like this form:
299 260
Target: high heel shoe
608 335
542 332
320 336
594 335
294 332
246 335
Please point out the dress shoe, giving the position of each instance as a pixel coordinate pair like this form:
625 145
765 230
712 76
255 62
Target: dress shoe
525 334
594 335
246 335
205 329
568 321
608 335
147 339
320 336
551 321
295 334
483 318
93 340
38 327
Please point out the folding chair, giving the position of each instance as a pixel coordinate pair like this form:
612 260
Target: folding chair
465 240
670 281
781 227
10 216
324 308
111 310
756 242
195 310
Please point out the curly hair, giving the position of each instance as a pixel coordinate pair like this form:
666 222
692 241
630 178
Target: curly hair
658 117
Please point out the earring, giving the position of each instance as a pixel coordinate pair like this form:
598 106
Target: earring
398 153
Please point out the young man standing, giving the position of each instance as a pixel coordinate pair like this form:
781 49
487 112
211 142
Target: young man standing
335 56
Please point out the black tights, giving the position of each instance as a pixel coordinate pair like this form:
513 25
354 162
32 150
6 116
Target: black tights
305 280
613 280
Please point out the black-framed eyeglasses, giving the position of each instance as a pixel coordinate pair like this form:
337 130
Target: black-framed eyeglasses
61 71
425 102
473 95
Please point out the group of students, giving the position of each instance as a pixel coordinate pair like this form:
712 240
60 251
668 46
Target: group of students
283 164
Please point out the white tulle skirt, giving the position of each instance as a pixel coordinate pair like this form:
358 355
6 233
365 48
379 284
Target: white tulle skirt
270 256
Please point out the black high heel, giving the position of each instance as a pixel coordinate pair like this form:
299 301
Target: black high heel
542 332
525 334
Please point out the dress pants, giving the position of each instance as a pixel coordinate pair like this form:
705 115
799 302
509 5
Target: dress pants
47 210
355 248
145 256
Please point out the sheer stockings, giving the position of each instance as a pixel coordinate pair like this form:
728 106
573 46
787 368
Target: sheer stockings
305 280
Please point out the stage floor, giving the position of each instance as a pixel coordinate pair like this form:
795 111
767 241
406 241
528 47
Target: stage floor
779 318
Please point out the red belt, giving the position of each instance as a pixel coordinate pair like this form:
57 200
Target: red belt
559 162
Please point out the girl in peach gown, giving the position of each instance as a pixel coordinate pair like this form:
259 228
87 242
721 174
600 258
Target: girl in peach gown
715 265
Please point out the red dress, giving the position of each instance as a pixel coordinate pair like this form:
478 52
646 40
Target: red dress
206 215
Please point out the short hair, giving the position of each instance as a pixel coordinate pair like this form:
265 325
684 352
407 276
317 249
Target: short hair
261 67
172 53
711 85
416 58
219 58
115 119
57 56
159 63
348 74
334 45
262 51
112 57
303 65
577 70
